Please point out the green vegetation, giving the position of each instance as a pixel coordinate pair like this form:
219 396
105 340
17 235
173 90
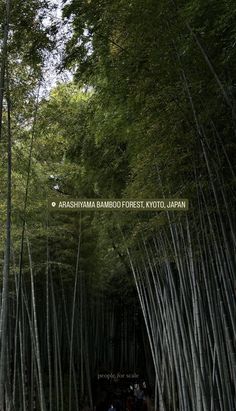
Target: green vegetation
150 113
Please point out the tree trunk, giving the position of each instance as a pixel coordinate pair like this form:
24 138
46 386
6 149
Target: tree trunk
6 270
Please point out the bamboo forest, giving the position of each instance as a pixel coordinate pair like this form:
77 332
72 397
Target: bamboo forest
117 101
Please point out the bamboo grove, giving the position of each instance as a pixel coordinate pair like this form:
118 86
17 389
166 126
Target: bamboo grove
147 111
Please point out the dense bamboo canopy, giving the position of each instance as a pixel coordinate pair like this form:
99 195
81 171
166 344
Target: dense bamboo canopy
117 99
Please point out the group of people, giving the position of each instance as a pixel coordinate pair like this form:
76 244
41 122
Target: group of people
134 399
